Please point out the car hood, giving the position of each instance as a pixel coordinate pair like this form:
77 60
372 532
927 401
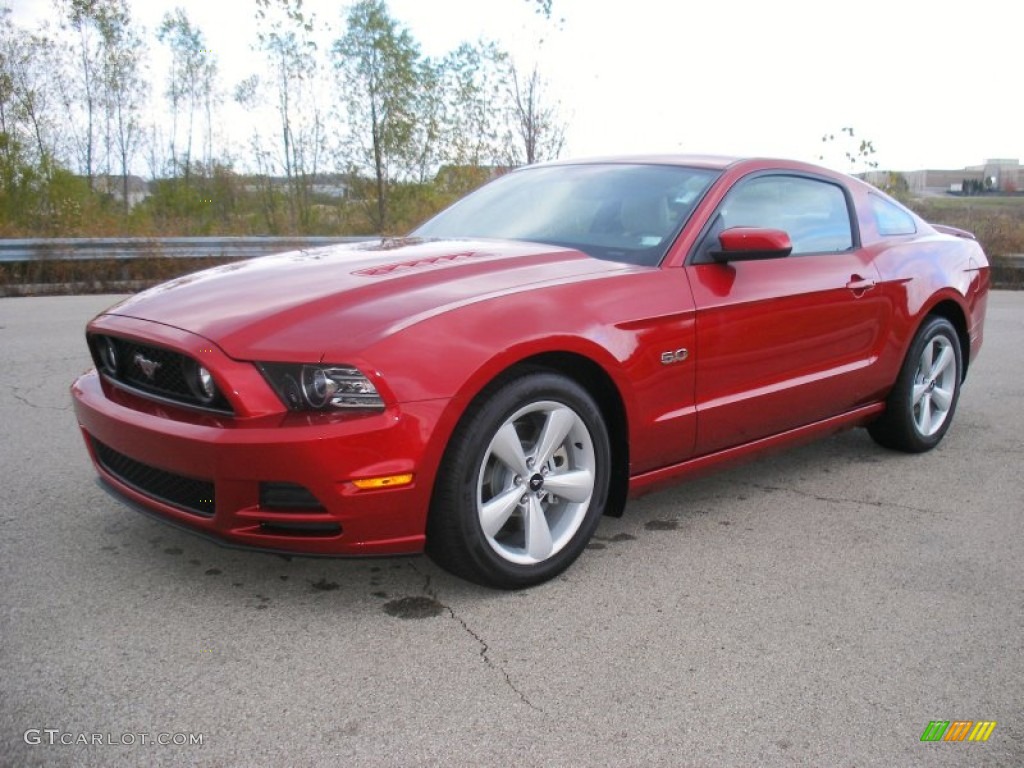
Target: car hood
341 298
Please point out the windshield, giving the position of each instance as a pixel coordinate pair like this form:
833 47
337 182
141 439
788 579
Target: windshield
620 212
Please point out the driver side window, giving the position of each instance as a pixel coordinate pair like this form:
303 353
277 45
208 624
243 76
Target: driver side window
813 213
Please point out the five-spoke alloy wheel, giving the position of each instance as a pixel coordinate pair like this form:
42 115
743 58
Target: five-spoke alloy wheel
920 406
523 483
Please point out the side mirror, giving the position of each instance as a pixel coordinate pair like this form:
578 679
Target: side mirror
749 243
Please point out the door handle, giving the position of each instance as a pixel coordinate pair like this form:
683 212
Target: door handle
860 285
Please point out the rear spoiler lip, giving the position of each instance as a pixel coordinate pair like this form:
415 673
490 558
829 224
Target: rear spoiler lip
956 232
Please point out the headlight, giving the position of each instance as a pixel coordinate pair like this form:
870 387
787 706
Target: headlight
321 387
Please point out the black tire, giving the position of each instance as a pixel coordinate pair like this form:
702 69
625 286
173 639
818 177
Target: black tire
915 427
474 481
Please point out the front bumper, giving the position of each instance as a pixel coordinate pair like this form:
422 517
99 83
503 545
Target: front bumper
140 446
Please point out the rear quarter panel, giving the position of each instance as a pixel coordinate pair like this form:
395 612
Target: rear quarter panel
921 272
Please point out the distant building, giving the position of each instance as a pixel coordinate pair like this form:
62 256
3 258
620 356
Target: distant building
138 188
997 175
336 186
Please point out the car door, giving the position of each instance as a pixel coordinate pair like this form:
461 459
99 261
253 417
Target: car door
783 342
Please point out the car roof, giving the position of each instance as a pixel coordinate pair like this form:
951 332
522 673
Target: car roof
710 162
715 162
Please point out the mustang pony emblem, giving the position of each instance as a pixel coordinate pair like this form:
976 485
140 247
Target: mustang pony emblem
148 367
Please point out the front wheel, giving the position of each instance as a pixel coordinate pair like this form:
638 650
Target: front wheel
523 483
921 404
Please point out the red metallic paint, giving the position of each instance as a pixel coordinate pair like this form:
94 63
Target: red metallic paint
779 351
744 240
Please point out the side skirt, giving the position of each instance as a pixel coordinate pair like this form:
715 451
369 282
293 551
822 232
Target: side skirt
702 465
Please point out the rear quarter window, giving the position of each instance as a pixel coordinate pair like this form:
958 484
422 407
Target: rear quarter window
891 219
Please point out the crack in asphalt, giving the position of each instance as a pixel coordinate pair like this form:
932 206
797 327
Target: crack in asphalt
839 499
25 401
484 647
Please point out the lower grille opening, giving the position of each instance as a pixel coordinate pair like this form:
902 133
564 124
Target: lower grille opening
278 528
288 496
186 493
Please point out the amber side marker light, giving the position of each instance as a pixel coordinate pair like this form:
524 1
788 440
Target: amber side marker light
391 481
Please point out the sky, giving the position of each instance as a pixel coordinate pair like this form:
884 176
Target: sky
932 84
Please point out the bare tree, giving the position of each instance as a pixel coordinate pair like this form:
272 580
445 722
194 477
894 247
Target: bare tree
543 7
857 155
81 82
126 92
536 131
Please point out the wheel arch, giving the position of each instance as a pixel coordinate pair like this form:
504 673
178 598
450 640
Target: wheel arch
596 380
599 384
954 313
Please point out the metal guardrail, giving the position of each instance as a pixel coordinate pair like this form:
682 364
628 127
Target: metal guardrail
241 247
82 248
1007 272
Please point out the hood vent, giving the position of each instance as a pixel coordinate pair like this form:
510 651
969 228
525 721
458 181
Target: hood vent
434 261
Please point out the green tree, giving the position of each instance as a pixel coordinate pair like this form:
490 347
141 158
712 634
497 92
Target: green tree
474 94
30 128
26 90
286 36
104 89
896 185
191 89
382 80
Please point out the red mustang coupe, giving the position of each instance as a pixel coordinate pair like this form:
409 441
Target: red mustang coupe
565 336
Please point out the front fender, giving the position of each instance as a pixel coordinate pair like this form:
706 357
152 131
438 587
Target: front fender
623 324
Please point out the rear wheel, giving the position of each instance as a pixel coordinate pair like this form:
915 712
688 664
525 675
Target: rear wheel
921 404
523 483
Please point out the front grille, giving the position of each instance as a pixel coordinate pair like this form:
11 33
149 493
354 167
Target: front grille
187 493
156 371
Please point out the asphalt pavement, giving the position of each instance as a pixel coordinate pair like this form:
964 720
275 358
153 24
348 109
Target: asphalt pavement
816 608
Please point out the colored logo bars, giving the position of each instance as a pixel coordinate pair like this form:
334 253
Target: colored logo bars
958 730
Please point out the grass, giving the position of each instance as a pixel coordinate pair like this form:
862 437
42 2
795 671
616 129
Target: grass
980 202
997 222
